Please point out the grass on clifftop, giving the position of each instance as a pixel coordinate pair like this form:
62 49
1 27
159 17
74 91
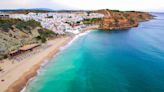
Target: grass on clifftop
9 24
91 21
26 27
44 34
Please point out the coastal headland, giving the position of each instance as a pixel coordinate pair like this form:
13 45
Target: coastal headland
115 19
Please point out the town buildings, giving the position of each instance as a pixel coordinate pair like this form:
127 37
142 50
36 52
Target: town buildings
61 22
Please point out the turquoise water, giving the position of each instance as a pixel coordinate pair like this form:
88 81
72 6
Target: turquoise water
116 61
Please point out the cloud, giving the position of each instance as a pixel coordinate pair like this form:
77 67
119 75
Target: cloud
13 4
116 4
144 5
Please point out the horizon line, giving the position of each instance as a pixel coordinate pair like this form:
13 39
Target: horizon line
50 9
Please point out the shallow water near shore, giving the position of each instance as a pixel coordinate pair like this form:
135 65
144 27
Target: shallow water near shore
102 61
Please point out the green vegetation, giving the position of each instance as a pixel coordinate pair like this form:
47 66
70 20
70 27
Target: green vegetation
140 16
1 69
3 55
90 21
44 34
8 24
131 11
131 21
116 11
15 33
27 25
50 17
26 11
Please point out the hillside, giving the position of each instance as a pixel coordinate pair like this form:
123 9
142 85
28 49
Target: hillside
15 33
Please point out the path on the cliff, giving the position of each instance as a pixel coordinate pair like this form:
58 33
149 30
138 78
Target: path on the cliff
108 13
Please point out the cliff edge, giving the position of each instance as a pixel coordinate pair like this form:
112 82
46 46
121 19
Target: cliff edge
115 19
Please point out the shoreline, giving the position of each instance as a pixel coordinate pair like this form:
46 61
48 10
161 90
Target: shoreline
18 84
54 55
16 80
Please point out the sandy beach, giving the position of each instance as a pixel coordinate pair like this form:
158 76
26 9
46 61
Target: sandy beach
16 75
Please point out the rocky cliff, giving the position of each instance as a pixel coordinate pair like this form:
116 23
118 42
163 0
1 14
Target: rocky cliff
115 19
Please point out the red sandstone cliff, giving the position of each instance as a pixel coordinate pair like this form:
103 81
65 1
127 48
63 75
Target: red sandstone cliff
121 20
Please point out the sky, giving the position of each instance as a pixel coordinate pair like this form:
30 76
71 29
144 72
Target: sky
139 5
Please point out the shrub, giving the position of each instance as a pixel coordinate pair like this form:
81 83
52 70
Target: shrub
131 20
42 38
50 17
115 10
7 24
5 56
44 34
90 21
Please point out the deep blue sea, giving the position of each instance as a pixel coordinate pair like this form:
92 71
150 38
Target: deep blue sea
108 61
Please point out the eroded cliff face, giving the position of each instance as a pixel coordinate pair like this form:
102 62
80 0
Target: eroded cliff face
121 20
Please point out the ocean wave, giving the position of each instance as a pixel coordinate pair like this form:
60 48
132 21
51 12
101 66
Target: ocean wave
74 39
29 81
39 71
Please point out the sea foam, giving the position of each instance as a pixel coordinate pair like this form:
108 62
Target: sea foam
74 39
47 61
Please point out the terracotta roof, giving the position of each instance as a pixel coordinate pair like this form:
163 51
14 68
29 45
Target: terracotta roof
27 47
13 52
